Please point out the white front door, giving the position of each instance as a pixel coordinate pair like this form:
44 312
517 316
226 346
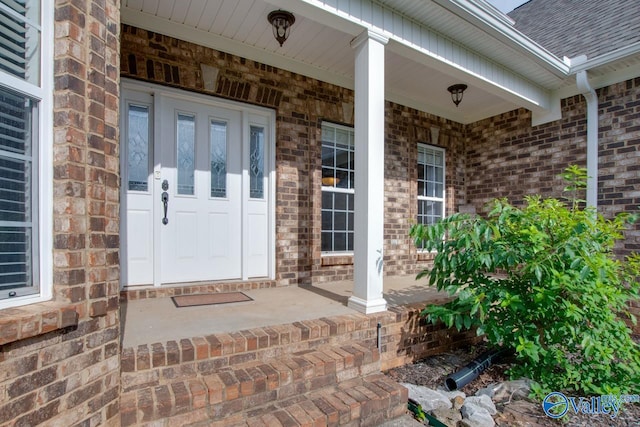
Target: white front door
202 177
197 198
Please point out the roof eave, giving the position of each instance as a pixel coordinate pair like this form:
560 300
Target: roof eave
495 23
607 58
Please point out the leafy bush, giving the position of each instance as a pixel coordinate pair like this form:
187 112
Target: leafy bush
543 281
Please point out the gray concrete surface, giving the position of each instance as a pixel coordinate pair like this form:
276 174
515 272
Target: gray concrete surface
158 320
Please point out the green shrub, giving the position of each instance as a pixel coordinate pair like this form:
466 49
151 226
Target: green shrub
543 281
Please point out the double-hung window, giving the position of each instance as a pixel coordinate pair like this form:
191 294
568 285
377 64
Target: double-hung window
25 117
338 168
431 184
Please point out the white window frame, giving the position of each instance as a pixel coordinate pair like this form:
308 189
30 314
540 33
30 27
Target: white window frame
422 197
42 193
328 187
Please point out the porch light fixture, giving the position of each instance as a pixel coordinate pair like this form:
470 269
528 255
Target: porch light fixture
456 92
281 20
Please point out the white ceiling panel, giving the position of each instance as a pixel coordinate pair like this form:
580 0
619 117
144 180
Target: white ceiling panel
415 75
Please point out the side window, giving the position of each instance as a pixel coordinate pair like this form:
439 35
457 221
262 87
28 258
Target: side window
337 188
431 184
23 114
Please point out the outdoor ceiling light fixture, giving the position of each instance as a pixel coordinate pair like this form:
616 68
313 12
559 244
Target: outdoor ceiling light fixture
456 92
281 20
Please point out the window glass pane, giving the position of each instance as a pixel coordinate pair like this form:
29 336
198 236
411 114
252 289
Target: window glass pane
17 195
327 242
328 158
431 185
218 138
256 163
340 242
138 146
340 201
186 137
338 173
20 40
340 221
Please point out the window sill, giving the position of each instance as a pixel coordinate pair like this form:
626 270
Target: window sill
425 256
329 260
29 321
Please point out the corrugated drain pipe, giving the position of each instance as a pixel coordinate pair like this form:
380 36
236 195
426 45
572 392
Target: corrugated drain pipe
590 95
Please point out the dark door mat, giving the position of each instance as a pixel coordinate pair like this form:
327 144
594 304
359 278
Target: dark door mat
209 299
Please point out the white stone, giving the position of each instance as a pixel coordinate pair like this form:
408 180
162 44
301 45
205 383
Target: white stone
476 416
427 398
484 402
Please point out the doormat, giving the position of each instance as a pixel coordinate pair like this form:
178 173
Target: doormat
209 299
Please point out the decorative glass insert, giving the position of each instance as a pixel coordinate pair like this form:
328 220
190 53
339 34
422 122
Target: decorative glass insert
18 194
138 145
218 138
186 138
256 163
337 188
431 184
20 41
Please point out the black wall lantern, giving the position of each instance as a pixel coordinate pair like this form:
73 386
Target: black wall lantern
281 21
456 92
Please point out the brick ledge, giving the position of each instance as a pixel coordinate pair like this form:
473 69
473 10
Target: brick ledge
29 321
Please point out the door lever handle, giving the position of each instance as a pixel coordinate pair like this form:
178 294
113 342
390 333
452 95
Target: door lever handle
165 202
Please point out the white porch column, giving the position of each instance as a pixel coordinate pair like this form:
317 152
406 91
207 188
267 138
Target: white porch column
369 173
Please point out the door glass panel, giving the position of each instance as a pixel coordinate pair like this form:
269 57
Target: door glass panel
218 137
256 163
186 137
138 146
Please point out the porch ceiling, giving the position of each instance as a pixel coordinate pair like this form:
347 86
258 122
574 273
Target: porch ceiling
319 47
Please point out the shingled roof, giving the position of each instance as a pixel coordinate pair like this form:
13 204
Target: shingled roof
576 27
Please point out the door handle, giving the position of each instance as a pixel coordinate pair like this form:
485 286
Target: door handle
165 201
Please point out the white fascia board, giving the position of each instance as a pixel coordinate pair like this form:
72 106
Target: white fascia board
486 19
203 38
607 58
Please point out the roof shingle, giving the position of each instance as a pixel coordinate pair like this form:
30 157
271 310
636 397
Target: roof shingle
576 27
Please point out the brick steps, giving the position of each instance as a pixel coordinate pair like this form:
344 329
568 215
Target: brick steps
237 389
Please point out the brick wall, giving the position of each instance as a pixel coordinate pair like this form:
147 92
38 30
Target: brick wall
507 157
62 367
301 104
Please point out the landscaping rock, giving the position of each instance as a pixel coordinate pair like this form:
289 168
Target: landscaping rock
448 417
509 389
483 401
490 390
427 398
475 416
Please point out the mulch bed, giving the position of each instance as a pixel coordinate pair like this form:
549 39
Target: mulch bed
432 371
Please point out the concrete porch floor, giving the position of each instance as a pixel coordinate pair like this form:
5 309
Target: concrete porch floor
153 320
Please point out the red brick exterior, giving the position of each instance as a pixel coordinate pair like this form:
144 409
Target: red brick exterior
507 157
60 360
301 104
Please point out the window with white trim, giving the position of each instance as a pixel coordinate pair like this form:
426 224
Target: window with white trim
338 168
25 113
431 184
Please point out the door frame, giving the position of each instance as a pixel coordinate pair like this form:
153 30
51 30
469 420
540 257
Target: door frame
158 93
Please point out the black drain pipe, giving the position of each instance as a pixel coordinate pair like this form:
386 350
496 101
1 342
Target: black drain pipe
470 372
378 337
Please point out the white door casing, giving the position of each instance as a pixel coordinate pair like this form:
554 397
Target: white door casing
220 226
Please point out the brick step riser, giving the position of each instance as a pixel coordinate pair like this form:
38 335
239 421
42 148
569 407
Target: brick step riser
234 389
365 401
163 364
